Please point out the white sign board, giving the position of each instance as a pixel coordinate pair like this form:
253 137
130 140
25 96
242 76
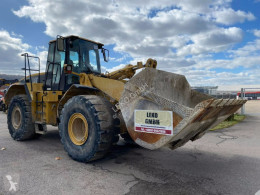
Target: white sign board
154 121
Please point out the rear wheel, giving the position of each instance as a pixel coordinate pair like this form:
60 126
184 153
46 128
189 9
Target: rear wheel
19 117
87 127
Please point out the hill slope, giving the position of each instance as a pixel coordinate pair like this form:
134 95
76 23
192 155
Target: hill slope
10 77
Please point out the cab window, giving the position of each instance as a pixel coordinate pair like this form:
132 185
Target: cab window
93 60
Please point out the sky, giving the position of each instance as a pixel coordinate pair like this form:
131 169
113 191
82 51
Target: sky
211 42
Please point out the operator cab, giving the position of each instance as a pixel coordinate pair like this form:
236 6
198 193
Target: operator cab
68 57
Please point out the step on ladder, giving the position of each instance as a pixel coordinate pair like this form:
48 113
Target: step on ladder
40 126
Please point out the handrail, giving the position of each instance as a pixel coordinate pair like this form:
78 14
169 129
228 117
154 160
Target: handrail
27 63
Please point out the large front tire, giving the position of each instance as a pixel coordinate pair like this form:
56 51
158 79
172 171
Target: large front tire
87 127
19 118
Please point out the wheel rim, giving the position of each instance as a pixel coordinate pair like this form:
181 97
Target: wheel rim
16 117
78 129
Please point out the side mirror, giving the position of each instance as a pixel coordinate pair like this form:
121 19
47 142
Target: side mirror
105 54
60 44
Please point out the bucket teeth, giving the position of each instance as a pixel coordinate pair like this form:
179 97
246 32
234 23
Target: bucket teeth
193 113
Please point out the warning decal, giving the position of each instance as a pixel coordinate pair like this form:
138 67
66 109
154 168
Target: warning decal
154 121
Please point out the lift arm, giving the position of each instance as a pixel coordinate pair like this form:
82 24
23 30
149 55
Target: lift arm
129 70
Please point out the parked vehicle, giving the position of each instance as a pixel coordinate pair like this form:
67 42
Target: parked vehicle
1 102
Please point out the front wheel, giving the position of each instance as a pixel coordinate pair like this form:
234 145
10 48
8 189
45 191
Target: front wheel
87 127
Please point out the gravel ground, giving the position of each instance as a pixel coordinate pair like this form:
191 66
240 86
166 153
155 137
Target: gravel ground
222 162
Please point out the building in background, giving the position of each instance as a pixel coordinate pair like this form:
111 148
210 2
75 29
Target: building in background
231 91
210 90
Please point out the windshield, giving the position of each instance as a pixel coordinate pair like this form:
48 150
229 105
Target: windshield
84 56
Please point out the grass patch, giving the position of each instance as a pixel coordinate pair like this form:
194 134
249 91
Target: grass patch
229 122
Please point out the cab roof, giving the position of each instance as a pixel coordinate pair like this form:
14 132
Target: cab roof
77 37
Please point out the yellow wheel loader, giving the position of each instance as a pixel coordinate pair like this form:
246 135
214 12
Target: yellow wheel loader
153 108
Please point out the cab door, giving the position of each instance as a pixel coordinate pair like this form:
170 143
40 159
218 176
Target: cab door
54 68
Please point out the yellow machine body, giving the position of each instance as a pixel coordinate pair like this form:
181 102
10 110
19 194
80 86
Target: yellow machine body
52 100
192 112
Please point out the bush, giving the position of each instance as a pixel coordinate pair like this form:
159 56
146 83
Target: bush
231 118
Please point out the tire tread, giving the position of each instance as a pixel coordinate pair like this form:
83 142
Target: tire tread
103 117
29 131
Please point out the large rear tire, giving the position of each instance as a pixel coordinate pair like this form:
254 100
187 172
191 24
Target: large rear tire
19 118
87 127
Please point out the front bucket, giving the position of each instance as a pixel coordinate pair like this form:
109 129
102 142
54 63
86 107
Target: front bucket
192 112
